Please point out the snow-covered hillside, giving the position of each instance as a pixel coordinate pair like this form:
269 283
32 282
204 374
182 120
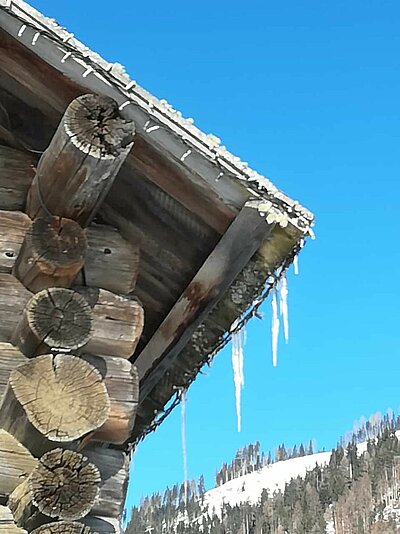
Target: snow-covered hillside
274 477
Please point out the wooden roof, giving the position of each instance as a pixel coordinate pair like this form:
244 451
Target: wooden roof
193 207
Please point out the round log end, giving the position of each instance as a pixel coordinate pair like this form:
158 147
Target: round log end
63 396
95 126
52 254
63 527
60 318
64 485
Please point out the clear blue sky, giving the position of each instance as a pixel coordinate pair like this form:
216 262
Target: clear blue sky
309 94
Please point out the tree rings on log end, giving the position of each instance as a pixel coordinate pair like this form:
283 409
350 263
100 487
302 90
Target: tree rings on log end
58 318
63 396
64 484
52 254
63 527
94 125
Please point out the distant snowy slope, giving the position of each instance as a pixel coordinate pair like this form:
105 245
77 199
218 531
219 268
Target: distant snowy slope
274 477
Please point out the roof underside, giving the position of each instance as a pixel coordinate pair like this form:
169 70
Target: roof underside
176 195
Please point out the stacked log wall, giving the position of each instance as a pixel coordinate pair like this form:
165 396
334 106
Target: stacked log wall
69 323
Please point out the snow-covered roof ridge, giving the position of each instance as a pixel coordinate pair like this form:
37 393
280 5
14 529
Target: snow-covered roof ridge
160 111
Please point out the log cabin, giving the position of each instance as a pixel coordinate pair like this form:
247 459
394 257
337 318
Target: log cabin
132 247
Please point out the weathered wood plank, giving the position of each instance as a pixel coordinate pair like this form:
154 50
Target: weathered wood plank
117 323
52 254
10 359
35 413
16 464
7 523
17 170
113 466
55 318
231 254
13 300
13 227
76 171
122 384
111 262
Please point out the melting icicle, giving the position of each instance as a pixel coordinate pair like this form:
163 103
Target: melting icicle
296 264
238 340
283 305
274 328
184 450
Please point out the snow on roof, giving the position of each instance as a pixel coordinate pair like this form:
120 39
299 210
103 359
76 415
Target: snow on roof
57 45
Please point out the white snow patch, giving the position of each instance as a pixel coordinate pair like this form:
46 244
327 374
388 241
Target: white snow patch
274 477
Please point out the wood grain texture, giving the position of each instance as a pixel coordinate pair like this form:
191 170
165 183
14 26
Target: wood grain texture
113 467
17 169
63 527
53 399
63 485
76 171
13 227
231 254
122 383
111 262
10 359
52 254
13 300
16 464
117 323
7 523
54 318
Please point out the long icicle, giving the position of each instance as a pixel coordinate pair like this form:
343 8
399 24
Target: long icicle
283 305
238 339
184 449
274 328
296 264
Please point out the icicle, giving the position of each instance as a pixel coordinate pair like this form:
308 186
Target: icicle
238 340
274 328
283 305
184 450
296 265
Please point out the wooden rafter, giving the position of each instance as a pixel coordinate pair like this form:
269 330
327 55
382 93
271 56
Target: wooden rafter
231 254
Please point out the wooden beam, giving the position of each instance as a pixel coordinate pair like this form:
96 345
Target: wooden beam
117 323
52 254
17 169
77 170
53 399
13 227
13 299
122 384
111 262
242 239
16 464
113 466
10 359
